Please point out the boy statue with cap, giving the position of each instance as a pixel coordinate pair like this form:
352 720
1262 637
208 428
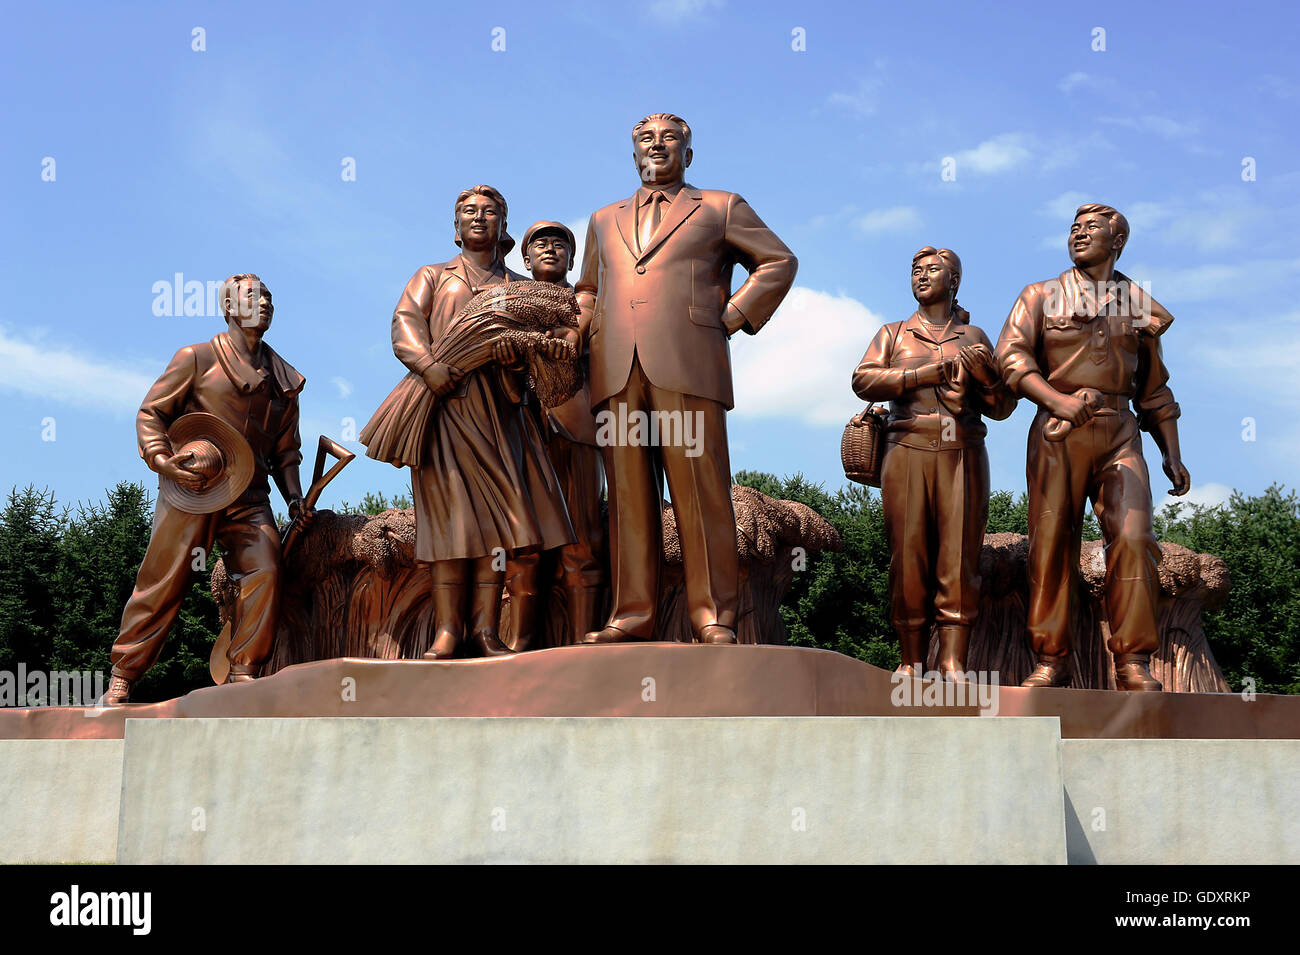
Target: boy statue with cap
570 431
221 420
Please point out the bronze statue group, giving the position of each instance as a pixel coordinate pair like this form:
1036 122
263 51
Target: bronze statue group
507 489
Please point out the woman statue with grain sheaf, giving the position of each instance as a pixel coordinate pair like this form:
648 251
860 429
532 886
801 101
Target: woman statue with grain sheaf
485 488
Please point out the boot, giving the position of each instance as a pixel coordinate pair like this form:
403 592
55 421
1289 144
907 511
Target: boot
582 603
242 673
449 619
525 600
1132 673
953 641
1051 671
913 646
485 615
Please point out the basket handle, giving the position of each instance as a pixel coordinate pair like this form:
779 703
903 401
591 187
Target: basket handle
869 409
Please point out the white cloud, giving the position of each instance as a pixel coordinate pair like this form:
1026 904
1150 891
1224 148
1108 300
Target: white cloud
1208 282
893 219
995 155
1206 495
1089 82
63 376
1161 126
343 385
1062 208
679 11
800 365
864 99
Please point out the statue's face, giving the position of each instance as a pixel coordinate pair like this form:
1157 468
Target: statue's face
548 257
1093 240
251 306
478 223
931 280
660 152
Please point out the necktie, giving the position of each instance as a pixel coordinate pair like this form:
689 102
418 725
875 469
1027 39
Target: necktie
650 220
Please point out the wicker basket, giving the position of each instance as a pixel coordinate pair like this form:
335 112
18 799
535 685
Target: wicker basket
863 446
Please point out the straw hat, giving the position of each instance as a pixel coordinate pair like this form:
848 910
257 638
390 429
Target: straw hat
220 454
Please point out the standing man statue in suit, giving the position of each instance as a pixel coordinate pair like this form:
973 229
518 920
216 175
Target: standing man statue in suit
657 311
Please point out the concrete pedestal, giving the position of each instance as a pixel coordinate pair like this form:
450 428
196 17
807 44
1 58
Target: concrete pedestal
59 800
1182 801
593 790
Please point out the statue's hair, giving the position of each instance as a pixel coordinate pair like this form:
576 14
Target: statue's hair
229 285
1119 225
481 190
948 257
669 118
495 196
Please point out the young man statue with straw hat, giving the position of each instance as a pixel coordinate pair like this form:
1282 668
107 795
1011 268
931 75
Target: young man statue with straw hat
220 422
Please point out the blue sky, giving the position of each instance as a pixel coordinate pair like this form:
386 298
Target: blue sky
170 160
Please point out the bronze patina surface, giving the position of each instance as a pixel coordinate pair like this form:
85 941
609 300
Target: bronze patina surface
690 680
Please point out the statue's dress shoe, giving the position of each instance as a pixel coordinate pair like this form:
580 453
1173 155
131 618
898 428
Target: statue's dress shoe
1051 671
716 633
118 692
1132 673
610 634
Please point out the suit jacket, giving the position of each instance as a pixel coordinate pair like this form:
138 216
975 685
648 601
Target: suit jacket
666 302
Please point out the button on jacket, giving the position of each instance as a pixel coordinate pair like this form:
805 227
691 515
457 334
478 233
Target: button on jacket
1076 338
929 417
667 302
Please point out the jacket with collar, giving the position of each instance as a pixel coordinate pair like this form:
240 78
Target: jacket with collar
666 302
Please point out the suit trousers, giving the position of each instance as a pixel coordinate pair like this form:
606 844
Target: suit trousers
936 506
1100 461
251 551
700 487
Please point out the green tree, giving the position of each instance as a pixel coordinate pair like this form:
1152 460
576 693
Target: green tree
65 578
840 602
1256 634
373 504
31 526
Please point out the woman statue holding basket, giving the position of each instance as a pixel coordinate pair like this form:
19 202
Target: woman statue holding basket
481 480
938 373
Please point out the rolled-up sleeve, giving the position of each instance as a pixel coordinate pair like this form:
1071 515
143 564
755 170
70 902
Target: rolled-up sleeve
873 379
288 442
1154 401
1017 350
